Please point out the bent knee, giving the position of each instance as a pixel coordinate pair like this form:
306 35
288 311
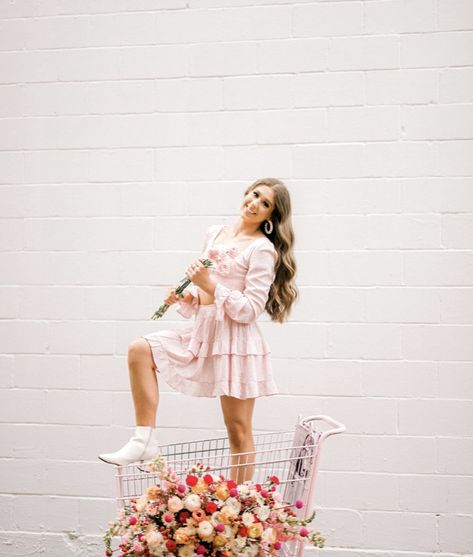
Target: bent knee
138 350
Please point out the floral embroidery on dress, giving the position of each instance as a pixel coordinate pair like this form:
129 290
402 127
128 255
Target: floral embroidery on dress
224 258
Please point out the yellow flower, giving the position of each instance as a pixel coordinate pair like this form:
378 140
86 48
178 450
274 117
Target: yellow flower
181 535
186 551
153 492
222 492
219 541
200 487
255 530
224 515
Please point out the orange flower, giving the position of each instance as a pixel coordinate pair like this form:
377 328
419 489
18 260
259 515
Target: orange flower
199 515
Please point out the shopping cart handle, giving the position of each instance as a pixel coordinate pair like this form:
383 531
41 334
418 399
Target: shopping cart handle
338 427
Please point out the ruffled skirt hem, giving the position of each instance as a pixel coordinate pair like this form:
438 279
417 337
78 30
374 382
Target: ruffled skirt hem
212 358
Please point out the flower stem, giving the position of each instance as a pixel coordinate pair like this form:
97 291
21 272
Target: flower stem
183 284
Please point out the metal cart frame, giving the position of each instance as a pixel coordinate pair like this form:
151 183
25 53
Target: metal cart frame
292 456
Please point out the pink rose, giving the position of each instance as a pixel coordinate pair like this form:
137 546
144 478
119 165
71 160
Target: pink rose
223 268
213 254
138 547
232 252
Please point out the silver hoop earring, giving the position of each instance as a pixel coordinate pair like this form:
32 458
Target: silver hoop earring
268 227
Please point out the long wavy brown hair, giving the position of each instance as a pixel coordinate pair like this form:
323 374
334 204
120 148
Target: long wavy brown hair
283 292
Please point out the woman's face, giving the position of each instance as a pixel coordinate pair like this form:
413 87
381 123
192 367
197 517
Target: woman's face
258 205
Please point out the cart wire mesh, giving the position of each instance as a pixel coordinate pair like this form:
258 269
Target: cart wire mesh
292 456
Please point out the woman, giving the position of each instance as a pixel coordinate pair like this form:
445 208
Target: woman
223 353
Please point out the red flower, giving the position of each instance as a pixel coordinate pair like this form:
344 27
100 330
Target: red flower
183 516
231 484
171 545
274 479
258 487
211 507
243 531
191 480
132 520
208 479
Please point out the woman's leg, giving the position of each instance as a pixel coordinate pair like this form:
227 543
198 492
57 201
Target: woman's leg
238 417
143 382
144 387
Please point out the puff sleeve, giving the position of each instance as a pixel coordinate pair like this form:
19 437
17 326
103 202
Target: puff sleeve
248 305
185 309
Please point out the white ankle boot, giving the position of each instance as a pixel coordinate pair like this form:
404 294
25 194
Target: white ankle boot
142 446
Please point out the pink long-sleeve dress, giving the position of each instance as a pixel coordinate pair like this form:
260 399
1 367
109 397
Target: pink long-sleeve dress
223 352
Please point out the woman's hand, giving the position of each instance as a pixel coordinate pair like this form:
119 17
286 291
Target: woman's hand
199 274
172 297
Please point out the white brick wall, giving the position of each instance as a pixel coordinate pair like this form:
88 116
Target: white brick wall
126 128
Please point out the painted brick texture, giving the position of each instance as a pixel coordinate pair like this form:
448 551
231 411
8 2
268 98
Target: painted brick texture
126 129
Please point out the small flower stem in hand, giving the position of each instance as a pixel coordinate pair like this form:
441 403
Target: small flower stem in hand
183 284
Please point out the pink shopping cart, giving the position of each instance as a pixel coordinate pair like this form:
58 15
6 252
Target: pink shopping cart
293 456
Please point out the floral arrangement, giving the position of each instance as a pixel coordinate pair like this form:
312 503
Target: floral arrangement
207 516
219 259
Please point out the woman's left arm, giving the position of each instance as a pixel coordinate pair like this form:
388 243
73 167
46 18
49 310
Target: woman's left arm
248 305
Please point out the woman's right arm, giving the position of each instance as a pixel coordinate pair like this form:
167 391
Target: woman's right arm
187 306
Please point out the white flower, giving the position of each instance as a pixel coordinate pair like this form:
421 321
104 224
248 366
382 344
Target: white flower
154 539
175 504
205 529
269 535
233 506
240 542
141 503
262 512
247 519
251 550
243 489
282 516
192 502
215 518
